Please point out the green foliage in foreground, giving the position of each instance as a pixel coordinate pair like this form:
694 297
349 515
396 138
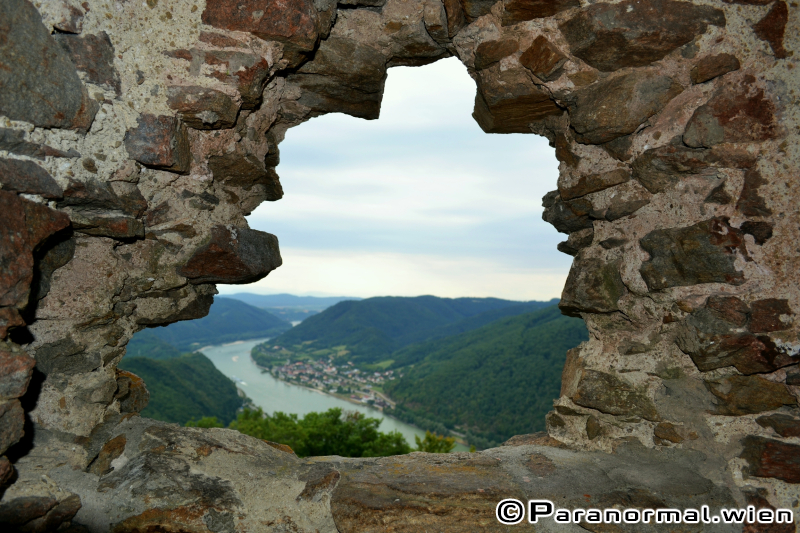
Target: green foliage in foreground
492 383
185 387
433 443
334 432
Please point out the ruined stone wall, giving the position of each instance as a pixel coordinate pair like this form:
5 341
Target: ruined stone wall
136 136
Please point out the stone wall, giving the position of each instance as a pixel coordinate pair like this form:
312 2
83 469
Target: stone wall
136 136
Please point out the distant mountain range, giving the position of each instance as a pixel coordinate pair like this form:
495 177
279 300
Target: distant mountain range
374 328
288 306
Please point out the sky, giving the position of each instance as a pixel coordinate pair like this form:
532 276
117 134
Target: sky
420 201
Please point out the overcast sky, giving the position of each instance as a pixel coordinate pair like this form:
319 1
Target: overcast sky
420 201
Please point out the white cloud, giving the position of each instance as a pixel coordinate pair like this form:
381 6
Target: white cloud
419 201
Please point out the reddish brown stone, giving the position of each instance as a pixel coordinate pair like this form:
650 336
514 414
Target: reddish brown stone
751 203
619 210
317 483
233 255
618 105
772 458
543 59
97 195
218 39
592 286
766 314
38 82
667 431
115 227
509 102
761 231
24 225
160 142
346 76
6 471
702 253
738 112
132 393
292 22
784 425
93 55
202 108
245 170
757 498
21 510
711 67
490 52
633 34
27 177
110 451
515 11
15 373
474 9
747 395
9 319
248 72
63 511
772 28
12 421
455 16
729 308
282 447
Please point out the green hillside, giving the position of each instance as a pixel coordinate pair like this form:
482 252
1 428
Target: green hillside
228 321
146 344
494 382
372 329
184 388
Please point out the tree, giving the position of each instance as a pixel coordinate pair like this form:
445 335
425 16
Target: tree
334 432
205 422
433 443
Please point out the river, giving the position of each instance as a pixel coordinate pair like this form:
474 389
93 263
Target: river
272 395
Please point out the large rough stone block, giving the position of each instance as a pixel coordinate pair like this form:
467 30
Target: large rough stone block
233 255
543 59
593 286
294 22
772 458
590 183
245 170
508 102
202 108
93 55
610 394
24 225
635 34
617 106
738 112
248 72
346 76
18 175
15 373
747 395
12 421
711 67
566 217
38 82
702 253
14 142
515 11
160 142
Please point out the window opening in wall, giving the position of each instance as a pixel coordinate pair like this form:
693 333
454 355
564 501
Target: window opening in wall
418 202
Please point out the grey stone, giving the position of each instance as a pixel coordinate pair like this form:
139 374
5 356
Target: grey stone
593 286
27 177
618 105
613 395
701 253
93 55
38 82
202 108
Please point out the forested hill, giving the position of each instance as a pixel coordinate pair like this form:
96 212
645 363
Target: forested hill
184 388
228 321
372 329
494 382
